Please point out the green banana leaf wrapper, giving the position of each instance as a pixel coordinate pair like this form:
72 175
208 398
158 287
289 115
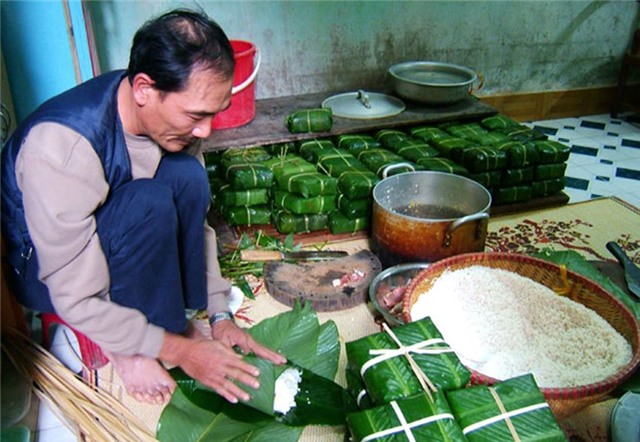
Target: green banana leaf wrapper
309 184
357 184
357 143
340 223
532 418
309 121
413 150
377 159
250 197
489 139
335 164
511 177
246 215
303 206
310 150
552 151
447 145
357 390
428 133
215 185
442 165
490 179
426 420
480 159
550 171
547 187
213 164
521 133
287 222
244 156
389 137
288 164
519 154
249 176
281 149
467 131
390 377
513 194
353 209
498 122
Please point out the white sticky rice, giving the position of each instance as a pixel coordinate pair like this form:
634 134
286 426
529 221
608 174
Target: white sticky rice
286 389
502 325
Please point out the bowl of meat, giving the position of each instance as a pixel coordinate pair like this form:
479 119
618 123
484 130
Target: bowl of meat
386 290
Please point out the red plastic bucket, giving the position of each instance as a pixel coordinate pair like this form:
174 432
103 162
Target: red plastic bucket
243 101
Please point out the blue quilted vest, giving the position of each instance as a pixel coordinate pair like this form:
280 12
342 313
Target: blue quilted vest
91 109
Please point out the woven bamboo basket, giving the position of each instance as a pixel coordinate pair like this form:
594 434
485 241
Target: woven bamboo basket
564 402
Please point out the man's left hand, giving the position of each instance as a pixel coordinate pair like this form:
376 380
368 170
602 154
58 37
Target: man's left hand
231 335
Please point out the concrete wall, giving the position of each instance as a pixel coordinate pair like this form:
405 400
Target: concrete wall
318 46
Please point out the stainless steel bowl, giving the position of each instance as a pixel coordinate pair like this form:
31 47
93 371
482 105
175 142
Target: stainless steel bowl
433 83
395 278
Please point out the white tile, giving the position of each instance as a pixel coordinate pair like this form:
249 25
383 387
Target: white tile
600 170
576 195
59 434
577 171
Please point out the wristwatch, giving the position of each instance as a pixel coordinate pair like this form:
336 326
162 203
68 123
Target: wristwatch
221 316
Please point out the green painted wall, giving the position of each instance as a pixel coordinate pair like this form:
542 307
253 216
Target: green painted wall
318 46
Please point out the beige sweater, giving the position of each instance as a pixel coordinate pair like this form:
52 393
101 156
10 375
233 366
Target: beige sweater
63 183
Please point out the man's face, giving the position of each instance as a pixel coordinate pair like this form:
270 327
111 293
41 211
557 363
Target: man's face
176 119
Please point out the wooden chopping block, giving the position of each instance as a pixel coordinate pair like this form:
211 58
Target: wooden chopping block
329 285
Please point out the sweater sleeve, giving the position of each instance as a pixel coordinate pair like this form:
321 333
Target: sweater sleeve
63 184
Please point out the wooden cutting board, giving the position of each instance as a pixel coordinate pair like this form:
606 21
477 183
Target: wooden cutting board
326 284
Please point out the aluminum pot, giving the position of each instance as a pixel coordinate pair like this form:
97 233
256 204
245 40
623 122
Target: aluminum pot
427 216
433 83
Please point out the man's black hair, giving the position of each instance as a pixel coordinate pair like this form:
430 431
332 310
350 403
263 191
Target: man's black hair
170 46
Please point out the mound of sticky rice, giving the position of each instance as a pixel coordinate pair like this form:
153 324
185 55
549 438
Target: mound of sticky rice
286 389
502 325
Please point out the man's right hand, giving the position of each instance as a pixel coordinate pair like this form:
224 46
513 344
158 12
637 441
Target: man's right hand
211 363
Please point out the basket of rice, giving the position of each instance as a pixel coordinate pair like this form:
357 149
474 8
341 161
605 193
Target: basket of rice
507 314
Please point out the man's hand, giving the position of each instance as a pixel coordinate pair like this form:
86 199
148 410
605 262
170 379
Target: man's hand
229 334
212 363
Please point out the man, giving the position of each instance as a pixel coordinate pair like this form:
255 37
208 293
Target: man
104 201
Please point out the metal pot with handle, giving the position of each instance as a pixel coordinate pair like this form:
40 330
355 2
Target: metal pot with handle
427 216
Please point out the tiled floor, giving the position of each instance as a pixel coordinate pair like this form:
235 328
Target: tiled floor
604 161
605 155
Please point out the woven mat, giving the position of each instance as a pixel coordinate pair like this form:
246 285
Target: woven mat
583 227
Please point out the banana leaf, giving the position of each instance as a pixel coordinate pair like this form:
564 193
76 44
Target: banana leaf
303 206
468 130
415 150
547 187
473 406
514 194
243 176
288 222
357 143
552 151
339 223
389 137
442 165
489 179
243 156
428 133
249 197
310 150
498 121
356 184
377 159
521 133
392 378
414 411
197 413
447 145
308 184
489 139
512 177
354 209
519 154
550 171
246 215
309 120
289 164
480 158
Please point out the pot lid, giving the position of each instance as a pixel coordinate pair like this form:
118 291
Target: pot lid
363 105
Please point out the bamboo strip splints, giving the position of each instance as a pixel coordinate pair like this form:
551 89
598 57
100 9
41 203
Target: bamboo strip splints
84 409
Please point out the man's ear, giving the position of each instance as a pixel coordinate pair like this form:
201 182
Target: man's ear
143 89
